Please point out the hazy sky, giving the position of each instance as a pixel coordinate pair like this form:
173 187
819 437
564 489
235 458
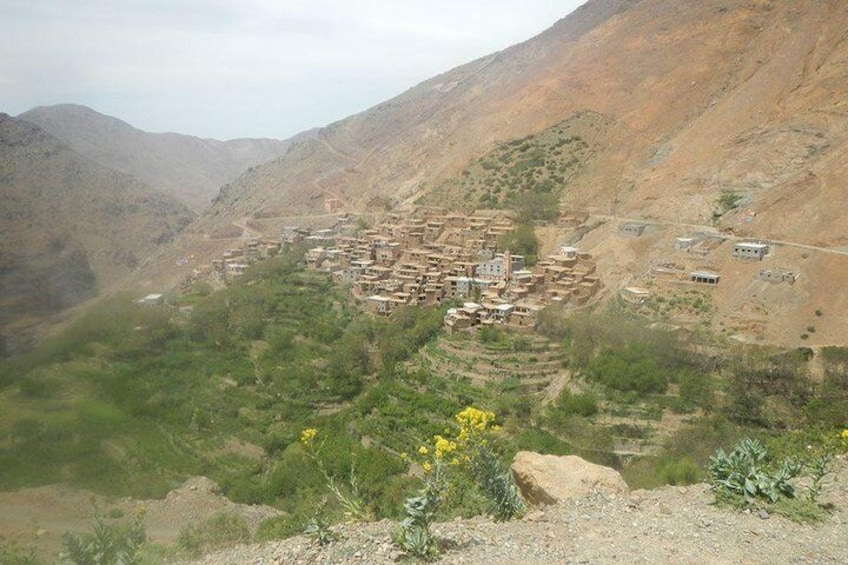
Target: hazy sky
245 68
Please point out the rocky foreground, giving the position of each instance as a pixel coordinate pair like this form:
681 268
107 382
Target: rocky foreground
669 525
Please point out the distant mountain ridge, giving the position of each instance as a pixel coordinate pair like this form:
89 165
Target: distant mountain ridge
69 227
190 169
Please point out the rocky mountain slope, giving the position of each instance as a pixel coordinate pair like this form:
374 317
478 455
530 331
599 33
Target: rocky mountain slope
68 227
188 168
704 96
680 103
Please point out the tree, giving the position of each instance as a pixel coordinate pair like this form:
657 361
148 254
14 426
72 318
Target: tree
521 241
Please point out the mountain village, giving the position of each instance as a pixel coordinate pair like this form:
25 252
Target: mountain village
431 256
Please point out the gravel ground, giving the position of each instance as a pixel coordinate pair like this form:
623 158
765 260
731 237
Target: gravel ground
677 525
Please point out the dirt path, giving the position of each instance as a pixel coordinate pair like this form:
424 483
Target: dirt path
729 237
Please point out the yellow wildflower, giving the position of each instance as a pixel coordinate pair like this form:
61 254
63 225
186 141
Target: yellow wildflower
427 467
443 446
307 436
473 420
423 450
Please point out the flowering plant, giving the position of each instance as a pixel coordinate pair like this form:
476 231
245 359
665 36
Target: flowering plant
352 502
469 452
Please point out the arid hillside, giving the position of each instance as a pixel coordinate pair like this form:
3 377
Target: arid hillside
705 96
188 168
68 227
680 107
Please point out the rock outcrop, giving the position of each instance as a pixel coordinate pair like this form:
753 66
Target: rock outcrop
551 479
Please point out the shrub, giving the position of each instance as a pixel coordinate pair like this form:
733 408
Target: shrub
11 554
107 544
634 368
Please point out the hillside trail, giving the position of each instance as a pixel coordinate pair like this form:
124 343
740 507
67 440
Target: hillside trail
712 229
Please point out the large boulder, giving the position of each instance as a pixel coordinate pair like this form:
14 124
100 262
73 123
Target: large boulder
548 479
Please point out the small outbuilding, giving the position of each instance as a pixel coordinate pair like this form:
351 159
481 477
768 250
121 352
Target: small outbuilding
704 277
750 250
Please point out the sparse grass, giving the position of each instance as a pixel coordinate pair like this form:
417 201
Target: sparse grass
221 531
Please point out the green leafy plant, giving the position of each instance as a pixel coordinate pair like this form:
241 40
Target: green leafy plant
11 554
351 499
413 534
107 544
743 476
320 530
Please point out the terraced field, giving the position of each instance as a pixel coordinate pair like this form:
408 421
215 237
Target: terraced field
533 360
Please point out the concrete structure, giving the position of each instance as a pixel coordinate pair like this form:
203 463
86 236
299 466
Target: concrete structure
778 276
704 277
378 305
500 267
750 250
684 243
632 229
635 294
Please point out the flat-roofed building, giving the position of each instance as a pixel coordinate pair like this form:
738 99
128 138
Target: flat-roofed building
750 250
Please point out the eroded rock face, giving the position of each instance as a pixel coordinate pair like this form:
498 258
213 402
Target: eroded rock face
549 479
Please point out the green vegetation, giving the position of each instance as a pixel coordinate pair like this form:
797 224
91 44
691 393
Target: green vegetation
528 175
521 241
447 466
131 400
748 477
218 532
728 200
112 543
742 475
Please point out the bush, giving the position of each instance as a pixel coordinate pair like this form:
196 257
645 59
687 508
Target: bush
467 455
108 544
635 368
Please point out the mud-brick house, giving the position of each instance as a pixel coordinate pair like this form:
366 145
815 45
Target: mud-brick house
379 305
387 254
315 256
524 314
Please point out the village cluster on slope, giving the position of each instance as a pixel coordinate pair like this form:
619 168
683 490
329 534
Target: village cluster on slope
434 255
